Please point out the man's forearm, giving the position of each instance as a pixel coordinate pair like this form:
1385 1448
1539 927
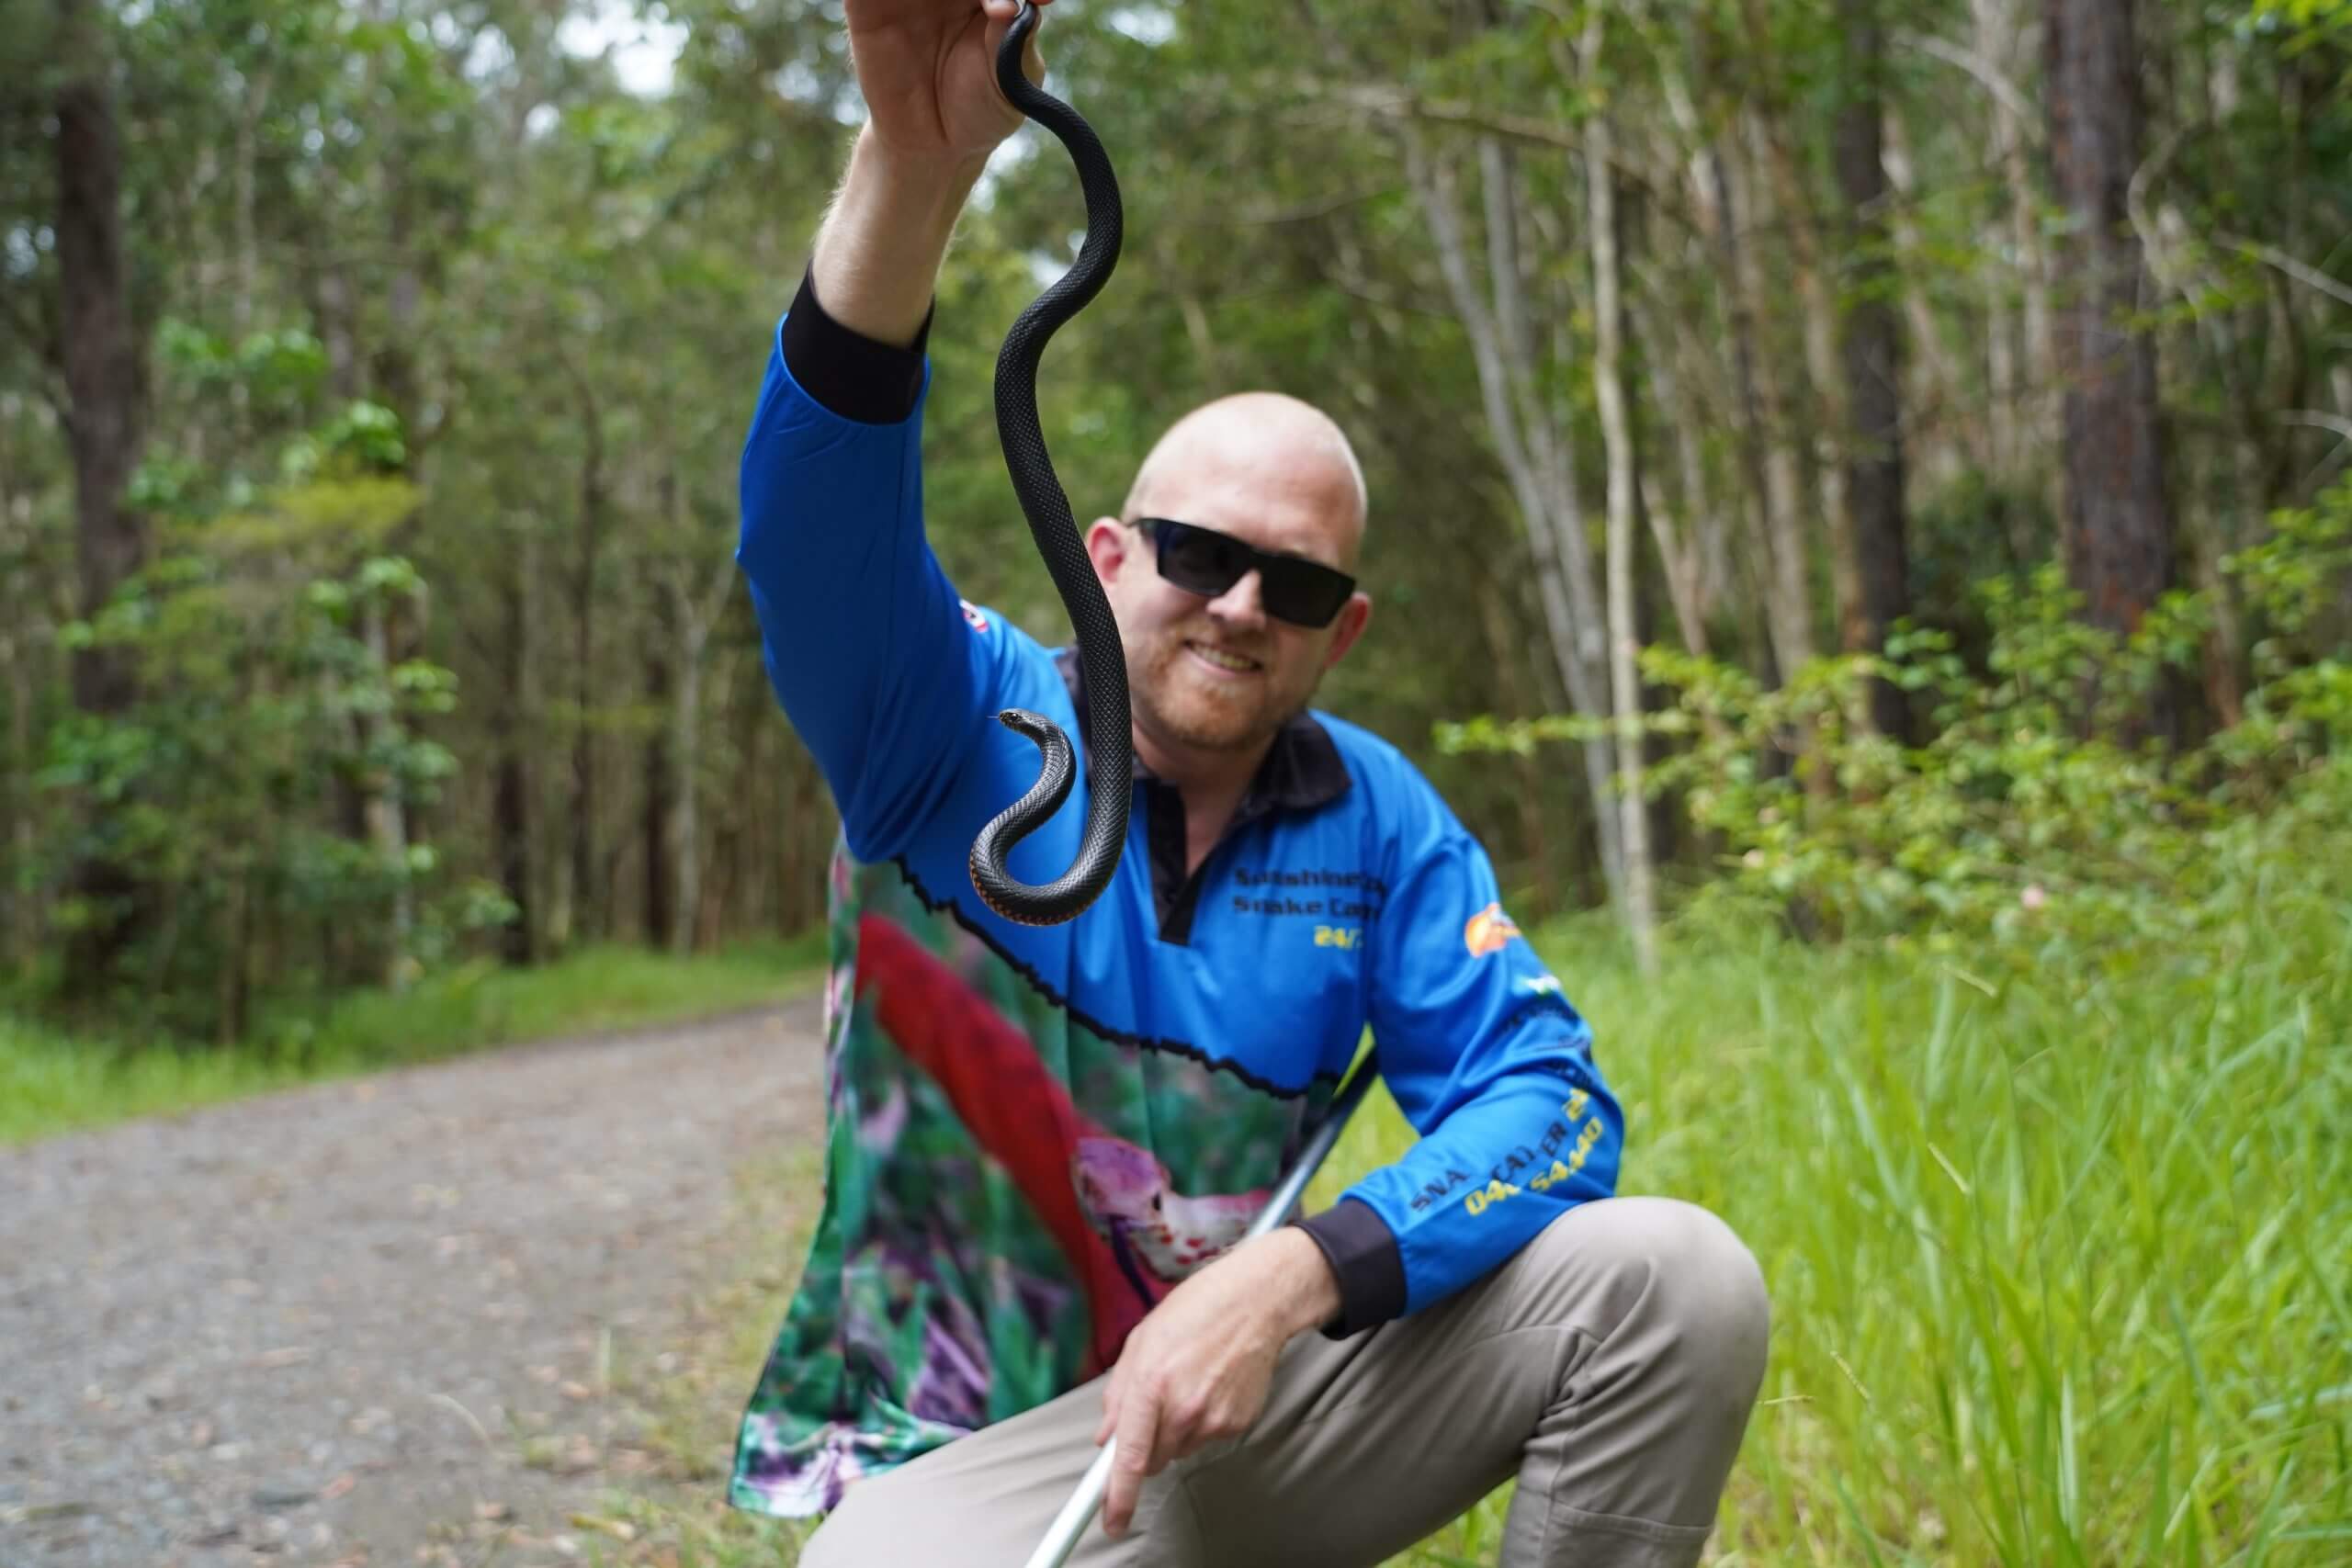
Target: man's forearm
875 264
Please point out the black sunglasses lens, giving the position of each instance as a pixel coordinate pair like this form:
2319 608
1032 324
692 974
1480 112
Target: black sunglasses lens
1304 593
1198 560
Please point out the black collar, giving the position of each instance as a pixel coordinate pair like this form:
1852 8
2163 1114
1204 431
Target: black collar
1302 769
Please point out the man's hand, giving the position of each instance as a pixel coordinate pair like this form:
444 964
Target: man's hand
927 69
1196 1368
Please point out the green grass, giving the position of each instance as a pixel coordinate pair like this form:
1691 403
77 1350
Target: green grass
53 1082
2058 1277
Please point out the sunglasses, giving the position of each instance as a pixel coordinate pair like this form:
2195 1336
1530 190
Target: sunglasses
1202 560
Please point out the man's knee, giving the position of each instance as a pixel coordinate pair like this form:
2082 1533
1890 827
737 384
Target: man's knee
1680 1276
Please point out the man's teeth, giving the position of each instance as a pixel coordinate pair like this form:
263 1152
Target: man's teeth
1222 660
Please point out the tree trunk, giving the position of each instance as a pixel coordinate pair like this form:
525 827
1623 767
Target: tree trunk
1617 435
685 825
229 1005
387 826
1536 466
21 897
246 286
2038 365
1874 368
656 825
1552 453
333 304
2019 348
1826 412
2225 680
2211 528
395 373
102 379
1710 203
101 354
585 908
1946 447
1691 551
510 826
1681 558
1789 593
511 802
695 619
2117 525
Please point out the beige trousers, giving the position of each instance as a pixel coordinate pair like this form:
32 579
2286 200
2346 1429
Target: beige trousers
1609 1366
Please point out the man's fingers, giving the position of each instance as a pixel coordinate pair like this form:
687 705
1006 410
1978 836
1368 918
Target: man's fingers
1110 1421
1139 1432
1000 14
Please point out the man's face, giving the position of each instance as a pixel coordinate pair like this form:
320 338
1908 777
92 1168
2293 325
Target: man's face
1219 674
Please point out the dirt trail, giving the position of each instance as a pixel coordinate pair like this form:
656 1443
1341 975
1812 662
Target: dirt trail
367 1322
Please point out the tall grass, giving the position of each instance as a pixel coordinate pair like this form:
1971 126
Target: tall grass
2061 1274
52 1081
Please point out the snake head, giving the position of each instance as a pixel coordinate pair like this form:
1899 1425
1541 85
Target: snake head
1055 901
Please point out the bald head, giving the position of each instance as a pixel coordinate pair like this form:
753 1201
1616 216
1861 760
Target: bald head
1262 449
1214 672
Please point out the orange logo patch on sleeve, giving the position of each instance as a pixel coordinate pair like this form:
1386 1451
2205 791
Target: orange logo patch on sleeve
1488 931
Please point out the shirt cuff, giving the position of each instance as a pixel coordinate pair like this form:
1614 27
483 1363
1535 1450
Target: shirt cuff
847 373
1362 1253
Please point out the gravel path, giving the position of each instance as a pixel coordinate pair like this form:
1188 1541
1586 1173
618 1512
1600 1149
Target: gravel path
364 1321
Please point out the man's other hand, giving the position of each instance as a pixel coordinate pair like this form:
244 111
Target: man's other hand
927 69
1196 1368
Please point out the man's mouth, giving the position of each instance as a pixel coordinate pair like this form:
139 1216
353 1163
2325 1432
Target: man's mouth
1222 660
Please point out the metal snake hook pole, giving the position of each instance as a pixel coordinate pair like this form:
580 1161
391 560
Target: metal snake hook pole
1062 1536
1101 660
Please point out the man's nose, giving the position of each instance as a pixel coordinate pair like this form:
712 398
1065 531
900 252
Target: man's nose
1240 604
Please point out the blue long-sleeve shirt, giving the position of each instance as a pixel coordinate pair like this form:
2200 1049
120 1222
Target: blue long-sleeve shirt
1111 1092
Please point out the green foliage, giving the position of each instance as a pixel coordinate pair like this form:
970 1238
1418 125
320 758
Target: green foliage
364 433
2297 577
274 369
273 714
2028 821
2050 1284
2307 19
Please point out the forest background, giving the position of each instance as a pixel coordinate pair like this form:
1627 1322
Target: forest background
1861 530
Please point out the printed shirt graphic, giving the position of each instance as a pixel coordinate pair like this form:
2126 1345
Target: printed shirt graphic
1034 1134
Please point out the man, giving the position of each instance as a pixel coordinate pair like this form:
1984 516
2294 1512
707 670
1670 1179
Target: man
1045 1142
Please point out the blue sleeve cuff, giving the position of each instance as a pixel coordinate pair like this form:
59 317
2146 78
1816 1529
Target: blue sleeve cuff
847 373
1362 1253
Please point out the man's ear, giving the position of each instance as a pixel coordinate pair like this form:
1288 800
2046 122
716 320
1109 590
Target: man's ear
1106 547
1354 615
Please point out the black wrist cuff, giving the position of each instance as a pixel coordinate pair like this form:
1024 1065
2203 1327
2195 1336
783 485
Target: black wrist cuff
1362 1253
848 373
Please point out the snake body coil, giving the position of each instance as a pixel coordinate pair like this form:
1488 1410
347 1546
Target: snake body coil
1101 658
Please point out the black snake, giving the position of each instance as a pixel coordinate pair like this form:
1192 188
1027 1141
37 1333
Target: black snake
1100 660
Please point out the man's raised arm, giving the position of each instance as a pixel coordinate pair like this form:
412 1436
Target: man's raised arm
927 69
864 643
